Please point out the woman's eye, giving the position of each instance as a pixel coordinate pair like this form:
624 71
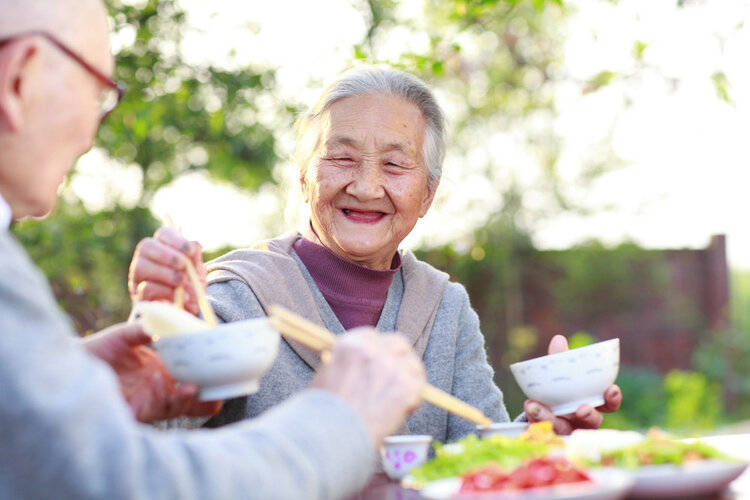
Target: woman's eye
343 159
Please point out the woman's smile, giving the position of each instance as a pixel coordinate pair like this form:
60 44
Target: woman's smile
360 216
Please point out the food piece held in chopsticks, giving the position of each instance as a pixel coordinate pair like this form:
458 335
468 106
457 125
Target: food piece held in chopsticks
160 319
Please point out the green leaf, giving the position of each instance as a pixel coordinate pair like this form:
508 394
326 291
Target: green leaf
601 79
721 85
639 47
359 52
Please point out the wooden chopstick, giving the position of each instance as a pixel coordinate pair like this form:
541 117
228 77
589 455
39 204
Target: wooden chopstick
448 402
297 328
179 297
205 308
292 332
301 323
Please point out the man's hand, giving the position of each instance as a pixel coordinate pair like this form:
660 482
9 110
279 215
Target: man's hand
378 375
149 390
585 416
158 268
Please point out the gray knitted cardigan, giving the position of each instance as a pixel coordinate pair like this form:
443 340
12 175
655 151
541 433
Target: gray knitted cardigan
433 313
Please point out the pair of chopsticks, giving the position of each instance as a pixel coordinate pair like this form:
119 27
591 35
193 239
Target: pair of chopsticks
179 295
319 339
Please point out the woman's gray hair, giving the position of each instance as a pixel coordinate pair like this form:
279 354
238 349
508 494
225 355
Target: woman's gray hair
377 81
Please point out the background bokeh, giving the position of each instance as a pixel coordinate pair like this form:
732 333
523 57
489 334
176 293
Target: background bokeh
595 147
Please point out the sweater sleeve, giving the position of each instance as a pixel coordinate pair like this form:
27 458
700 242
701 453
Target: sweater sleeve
472 376
67 432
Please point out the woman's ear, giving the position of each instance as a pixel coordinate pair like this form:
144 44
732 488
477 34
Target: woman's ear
428 197
304 185
16 73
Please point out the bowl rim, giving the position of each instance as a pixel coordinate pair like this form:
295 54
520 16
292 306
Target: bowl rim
212 331
565 353
502 425
407 438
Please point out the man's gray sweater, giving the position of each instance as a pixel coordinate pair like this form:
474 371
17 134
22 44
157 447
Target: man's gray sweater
68 434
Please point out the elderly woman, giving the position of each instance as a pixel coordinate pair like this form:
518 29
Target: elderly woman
370 154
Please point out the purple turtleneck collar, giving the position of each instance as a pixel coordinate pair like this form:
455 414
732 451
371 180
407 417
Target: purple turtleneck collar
355 293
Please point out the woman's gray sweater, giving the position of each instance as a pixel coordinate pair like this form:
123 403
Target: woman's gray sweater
453 349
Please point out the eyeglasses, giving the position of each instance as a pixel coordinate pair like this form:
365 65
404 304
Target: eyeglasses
112 91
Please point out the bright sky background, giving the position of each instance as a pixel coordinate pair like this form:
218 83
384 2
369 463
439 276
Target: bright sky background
685 151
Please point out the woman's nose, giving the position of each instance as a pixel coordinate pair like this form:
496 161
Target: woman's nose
367 183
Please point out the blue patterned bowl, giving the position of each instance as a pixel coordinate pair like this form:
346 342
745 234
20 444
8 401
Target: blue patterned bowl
565 380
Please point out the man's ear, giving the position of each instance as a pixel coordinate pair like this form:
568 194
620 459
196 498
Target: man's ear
15 72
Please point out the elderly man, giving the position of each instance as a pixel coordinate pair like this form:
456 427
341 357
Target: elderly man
67 431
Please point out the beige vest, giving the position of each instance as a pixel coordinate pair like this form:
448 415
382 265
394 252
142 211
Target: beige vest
276 279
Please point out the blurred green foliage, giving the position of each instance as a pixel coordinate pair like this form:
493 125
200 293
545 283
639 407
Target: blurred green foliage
643 400
721 85
681 401
740 300
84 255
600 282
693 403
176 118
725 356
580 339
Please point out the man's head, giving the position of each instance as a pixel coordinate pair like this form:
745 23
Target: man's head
49 103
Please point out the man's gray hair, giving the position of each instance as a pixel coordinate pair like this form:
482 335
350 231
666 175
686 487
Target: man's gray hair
377 81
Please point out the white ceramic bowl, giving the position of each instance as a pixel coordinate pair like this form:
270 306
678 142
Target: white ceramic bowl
224 362
566 380
400 454
508 429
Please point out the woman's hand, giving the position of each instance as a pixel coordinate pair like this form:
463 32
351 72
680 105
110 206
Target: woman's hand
158 268
585 417
145 384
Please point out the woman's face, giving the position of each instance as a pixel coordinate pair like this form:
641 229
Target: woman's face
367 184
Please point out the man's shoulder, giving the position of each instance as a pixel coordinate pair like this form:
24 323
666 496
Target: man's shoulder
23 288
14 261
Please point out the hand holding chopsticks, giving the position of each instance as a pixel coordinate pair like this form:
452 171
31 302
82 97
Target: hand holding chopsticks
205 308
319 339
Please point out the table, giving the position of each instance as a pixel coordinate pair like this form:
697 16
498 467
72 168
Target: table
737 445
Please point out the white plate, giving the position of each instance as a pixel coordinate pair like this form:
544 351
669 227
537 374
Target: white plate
672 481
609 484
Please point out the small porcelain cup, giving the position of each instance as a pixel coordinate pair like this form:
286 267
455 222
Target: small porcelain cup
400 454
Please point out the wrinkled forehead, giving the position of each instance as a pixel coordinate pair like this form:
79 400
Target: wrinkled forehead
386 123
80 24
